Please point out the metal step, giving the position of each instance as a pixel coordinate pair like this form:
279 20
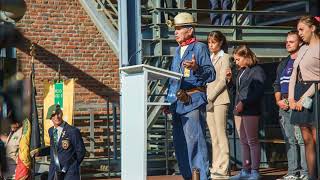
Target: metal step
104 21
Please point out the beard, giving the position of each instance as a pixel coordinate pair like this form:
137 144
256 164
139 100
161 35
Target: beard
292 50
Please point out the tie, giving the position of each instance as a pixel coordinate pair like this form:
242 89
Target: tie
55 136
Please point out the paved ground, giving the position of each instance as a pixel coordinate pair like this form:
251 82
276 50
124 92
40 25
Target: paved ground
267 174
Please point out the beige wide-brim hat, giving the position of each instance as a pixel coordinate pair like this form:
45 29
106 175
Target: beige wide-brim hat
182 19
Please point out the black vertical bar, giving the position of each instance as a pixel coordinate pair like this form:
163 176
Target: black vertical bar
234 142
251 17
166 143
1 88
115 118
108 137
2 146
317 127
114 111
33 171
1 71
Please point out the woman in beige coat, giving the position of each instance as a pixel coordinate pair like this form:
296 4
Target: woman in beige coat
217 108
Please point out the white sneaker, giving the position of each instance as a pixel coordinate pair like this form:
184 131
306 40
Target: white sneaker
303 177
288 177
243 174
218 176
255 175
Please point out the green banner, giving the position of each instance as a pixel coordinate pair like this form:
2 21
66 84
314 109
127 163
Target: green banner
58 94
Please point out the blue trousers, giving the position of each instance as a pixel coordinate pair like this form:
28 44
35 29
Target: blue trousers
190 143
221 19
293 138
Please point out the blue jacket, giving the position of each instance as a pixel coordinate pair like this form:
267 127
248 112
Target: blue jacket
73 153
201 77
251 89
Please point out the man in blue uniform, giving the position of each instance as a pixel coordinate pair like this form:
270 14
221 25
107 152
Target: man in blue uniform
66 149
188 98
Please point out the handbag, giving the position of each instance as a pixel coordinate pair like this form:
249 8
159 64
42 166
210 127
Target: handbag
307 101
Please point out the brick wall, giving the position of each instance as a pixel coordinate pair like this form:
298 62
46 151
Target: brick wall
65 35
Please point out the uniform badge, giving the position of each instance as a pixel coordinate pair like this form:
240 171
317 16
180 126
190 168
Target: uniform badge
63 133
65 144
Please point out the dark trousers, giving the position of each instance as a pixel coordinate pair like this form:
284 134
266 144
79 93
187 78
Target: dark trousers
220 19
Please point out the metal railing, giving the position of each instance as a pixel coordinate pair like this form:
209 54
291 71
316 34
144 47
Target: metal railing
104 14
101 134
110 11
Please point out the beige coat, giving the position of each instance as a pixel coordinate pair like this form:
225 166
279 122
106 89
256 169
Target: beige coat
217 92
12 148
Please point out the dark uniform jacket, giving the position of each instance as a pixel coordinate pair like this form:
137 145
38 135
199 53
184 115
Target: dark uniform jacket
70 150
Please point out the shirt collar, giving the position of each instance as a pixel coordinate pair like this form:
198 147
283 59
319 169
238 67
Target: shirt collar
219 54
61 126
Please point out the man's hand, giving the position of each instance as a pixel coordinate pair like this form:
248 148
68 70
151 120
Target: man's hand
191 64
239 107
166 110
283 105
34 153
3 138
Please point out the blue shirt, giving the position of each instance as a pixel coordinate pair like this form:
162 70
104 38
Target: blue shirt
285 77
204 74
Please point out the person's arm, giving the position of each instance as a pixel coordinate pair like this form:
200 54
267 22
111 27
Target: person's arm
38 152
280 102
276 83
292 84
45 151
221 81
205 72
277 88
78 144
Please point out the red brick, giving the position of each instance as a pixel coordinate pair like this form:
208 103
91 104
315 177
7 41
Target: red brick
65 31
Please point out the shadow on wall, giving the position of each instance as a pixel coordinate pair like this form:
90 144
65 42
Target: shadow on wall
68 70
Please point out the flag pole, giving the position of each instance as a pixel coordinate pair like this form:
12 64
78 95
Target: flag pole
32 49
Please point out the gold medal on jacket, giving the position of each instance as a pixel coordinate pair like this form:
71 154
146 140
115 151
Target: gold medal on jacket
65 144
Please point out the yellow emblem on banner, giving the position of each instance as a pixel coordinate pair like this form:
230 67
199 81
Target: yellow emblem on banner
65 144
186 72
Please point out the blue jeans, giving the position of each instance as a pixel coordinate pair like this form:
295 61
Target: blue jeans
220 19
190 143
293 138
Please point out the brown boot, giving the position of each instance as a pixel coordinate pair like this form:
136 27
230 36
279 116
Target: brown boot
195 174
